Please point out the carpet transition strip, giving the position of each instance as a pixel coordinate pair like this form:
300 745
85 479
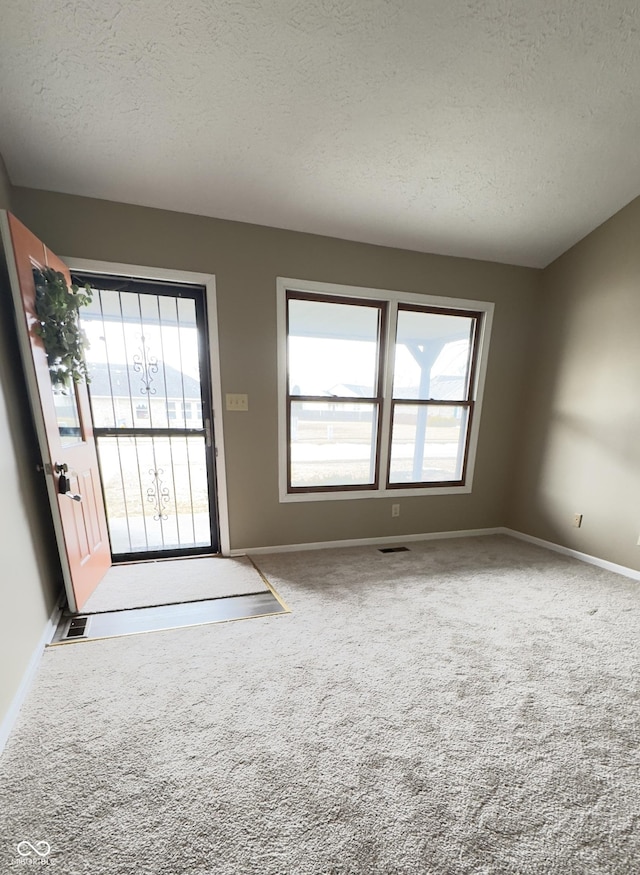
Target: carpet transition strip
73 629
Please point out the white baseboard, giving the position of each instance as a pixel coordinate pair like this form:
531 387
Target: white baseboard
365 542
48 632
575 554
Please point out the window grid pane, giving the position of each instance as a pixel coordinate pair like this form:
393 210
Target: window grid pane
433 355
333 348
333 444
334 382
428 443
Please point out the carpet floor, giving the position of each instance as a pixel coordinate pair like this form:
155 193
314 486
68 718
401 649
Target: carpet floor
469 706
145 584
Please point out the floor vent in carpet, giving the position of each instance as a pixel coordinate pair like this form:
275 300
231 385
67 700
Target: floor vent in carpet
393 550
77 628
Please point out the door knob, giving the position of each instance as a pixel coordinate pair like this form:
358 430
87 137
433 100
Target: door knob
64 487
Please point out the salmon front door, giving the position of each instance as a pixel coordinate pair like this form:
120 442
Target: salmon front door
62 418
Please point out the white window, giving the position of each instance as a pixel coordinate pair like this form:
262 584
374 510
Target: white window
379 392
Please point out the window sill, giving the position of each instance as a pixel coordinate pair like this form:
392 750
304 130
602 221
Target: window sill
348 495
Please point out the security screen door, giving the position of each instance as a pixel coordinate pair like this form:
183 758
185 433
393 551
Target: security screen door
150 396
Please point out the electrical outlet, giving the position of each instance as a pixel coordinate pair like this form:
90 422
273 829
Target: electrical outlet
395 510
577 520
236 402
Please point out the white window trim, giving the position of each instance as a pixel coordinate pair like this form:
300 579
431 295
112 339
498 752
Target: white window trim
394 298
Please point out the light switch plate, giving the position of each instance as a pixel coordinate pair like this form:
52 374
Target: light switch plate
236 402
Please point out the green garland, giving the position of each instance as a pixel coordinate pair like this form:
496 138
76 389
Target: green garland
57 309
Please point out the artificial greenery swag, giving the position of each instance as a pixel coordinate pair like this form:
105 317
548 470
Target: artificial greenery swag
57 308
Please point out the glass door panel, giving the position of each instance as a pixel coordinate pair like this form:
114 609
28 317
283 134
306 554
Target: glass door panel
150 399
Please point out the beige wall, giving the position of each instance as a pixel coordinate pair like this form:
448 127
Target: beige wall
581 437
246 260
29 580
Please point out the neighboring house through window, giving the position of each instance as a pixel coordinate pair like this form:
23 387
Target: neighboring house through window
380 392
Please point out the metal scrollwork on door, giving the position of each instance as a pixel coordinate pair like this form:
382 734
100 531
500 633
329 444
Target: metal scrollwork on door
146 365
158 495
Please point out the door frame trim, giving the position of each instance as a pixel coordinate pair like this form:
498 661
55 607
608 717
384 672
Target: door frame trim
209 282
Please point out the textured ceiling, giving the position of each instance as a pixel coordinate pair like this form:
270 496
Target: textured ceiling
497 129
